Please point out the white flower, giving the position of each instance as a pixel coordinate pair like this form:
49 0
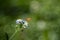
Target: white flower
34 6
23 22
41 25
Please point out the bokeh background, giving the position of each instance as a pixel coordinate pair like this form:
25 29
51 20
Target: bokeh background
44 14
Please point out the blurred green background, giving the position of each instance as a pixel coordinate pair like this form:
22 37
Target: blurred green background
45 23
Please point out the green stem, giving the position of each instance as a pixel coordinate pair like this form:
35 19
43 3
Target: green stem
45 34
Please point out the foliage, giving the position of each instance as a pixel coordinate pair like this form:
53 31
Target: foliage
49 12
